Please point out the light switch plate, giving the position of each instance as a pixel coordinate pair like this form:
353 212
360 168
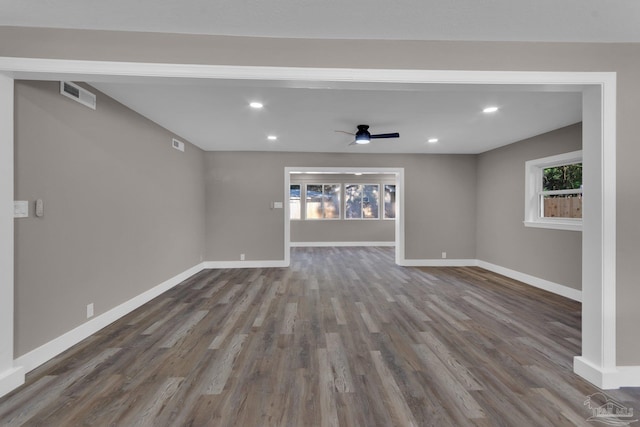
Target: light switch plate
21 209
277 205
39 208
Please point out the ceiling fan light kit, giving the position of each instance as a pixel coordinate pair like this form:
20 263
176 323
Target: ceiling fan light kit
364 137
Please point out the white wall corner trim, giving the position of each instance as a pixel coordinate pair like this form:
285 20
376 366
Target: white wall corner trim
246 264
10 375
45 352
437 262
537 282
338 244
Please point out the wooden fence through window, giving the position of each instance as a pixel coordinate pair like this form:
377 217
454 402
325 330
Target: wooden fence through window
563 207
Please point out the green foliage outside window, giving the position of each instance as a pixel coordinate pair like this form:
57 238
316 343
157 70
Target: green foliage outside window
566 177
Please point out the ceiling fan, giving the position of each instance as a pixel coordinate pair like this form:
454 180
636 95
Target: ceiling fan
363 136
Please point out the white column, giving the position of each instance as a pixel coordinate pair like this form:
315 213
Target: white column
10 375
598 360
400 260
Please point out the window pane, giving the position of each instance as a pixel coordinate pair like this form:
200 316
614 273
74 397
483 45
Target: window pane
370 201
389 201
565 177
562 206
331 201
313 201
294 201
353 201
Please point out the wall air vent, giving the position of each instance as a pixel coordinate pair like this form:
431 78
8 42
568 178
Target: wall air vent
178 145
83 96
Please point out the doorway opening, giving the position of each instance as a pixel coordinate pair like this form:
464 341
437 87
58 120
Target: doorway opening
598 360
398 182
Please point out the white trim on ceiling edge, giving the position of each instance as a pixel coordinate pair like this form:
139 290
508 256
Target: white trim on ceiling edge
48 351
339 244
59 69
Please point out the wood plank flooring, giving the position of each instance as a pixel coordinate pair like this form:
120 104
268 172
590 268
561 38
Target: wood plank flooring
341 338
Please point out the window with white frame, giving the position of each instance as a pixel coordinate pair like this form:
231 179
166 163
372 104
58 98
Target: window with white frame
553 196
322 201
389 201
295 205
362 201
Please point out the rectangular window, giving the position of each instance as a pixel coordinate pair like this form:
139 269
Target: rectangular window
322 201
371 201
352 201
553 194
295 205
362 201
389 201
561 195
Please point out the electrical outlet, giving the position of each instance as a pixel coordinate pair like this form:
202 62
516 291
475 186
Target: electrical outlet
241 257
444 255
89 310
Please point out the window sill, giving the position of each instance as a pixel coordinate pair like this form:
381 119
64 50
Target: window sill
555 225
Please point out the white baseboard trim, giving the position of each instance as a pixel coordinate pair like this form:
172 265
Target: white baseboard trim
589 372
439 262
537 282
623 376
338 244
605 379
48 351
246 264
11 379
628 376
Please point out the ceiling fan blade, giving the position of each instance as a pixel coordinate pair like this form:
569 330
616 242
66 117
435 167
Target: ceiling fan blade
353 143
343 131
385 135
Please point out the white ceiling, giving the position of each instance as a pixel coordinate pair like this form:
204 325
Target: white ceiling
516 20
216 116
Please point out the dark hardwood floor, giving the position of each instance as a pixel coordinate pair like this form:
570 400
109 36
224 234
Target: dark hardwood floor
342 338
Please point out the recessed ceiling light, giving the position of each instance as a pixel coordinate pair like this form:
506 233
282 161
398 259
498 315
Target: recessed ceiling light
490 110
272 137
358 173
432 140
256 105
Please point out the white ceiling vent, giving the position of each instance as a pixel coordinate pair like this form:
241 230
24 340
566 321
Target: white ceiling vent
178 145
83 96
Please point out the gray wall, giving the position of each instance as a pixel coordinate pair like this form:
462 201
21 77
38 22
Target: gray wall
241 185
623 58
502 238
342 230
123 211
